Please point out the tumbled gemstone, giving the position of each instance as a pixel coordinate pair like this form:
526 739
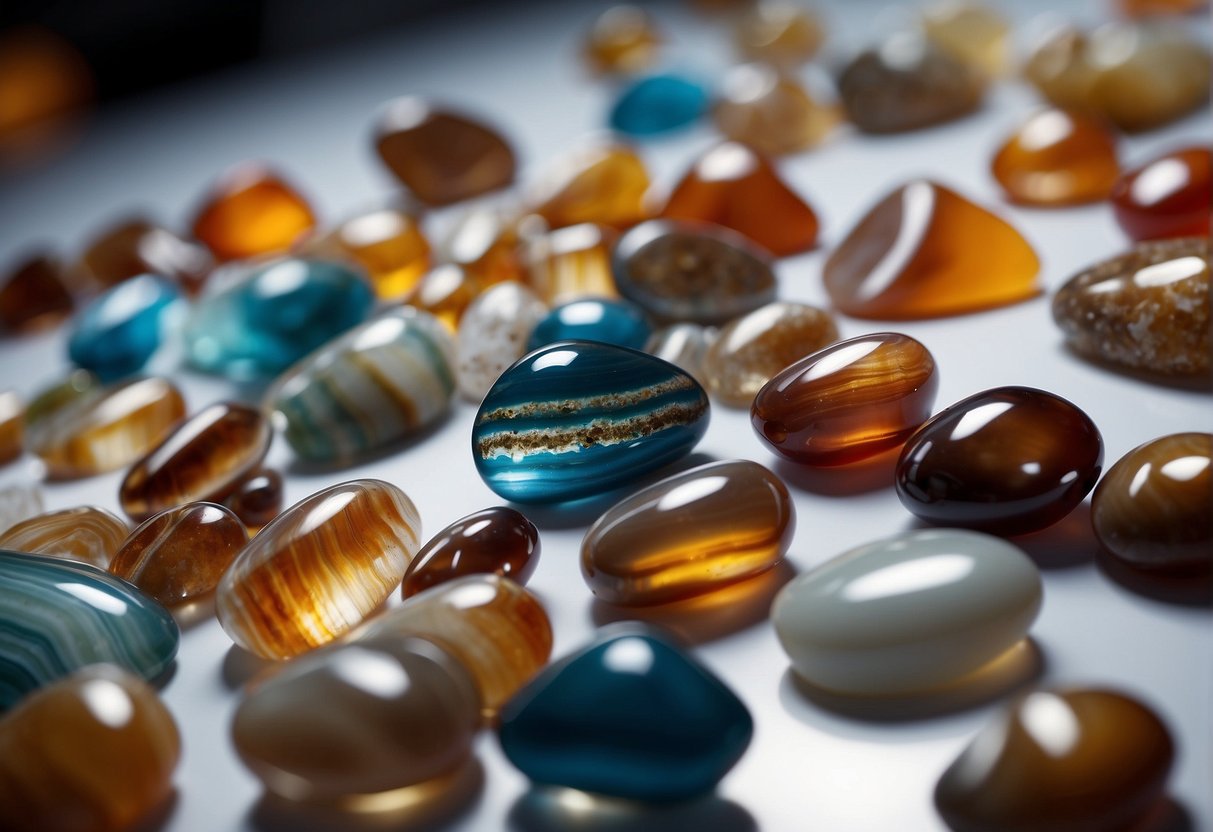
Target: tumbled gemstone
733 186
624 39
111 429
848 402
1009 460
1151 509
50 401
486 243
497 541
277 314
493 334
96 750
119 331
12 426
1170 196
689 534
578 418
251 212
571 263
1146 309
605 184
57 616
658 104
750 350
630 715
593 319
683 345
1148 8
86 534
778 34
495 628
1083 760
35 295
445 293
686 271
771 113
975 35
18 502
910 613
1058 158
318 569
388 243
906 84
258 499
377 384
137 246
915 253
442 157
357 720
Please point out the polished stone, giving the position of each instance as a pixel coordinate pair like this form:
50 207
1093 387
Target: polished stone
445 292
53 399
487 244
605 184
772 113
87 534
683 345
974 34
119 331
251 212
493 334
388 243
623 40
12 426
1168 196
593 319
1058 158
658 104
779 34
498 541
258 499
35 295
572 263
138 246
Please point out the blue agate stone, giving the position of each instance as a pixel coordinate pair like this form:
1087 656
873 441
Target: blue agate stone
266 322
658 104
116 334
630 716
578 418
593 319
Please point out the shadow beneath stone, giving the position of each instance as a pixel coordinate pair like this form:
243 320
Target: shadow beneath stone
1168 815
1068 543
312 468
557 809
1194 384
1189 590
191 614
159 817
866 476
240 666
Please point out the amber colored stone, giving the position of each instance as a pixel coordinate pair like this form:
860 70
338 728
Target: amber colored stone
778 34
35 295
1148 8
572 263
388 244
12 426
915 255
137 246
623 40
1010 460
1079 760
44 83
1146 309
442 157
94 751
973 34
203 459
604 185
847 402
487 243
258 499
498 540
734 186
1170 196
770 112
250 212
50 401
1058 158
445 292
87 534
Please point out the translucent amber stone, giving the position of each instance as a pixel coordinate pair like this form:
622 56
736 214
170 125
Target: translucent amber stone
915 253
94 751
770 112
779 34
847 402
44 407
493 334
138 246
497 540
1082 760
35 295
624 39
87 534
733 186
389 244
1146 309
250 212
446 292
972 34
258 499
1170 196
572 263
44 83
12 426
487 243
1058 158
317 570
605 185
442 157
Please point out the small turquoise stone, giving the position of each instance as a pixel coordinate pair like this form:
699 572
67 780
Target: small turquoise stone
278 314
630 716
578 418
116 334
658 104
594 319
57 616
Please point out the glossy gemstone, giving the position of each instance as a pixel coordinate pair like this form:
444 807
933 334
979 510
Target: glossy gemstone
692 272
497 541
94 751
137 246
1009 460
1083 760
57 616
318 569
630 716
445 293
1058 158
35 295
658 104
18 502
624 39
1151 509
12 426
735 187
258 499
493 334
750 350
279 313
605 184
907 614
116 334
572 263
779 34
973 34
915 253
683 345
86 534
1170 196
442 157
388 243
689 534
52 400
577 418
848 402
1146 309
486 243
377 384
593 319
251 212
771 113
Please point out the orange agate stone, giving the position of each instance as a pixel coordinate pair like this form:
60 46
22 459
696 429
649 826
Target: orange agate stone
605 185
445 293
1058 158
487 243
389 244
251 212
572 263
1170 196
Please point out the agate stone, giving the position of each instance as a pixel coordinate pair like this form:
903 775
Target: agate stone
780 34
1169 196
388 243
258 499
1058 158
658 104
445 292
136 246
604 184
683 345
116 334
486 243
772 113
497 541
973 34
493 334
86 534
593 319
54 399
572 263
35 295
250 212
624 39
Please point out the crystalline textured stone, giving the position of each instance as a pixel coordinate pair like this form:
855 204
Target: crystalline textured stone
771 113
493 334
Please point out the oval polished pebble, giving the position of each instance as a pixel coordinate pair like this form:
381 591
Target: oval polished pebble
86 534
379 383
623 39
658 104
258 499
1010 460
119 331
683 345
319 568
781 34
357 719
95 750
493 334
571 263
137 246
252 211
53 399
57 616
848 402
689 535
1079 760
1058 158
35 295
203 459
593 319
389 243
970 32
605 184
907 614
630 716
1169 196
771 112
494 540
577 418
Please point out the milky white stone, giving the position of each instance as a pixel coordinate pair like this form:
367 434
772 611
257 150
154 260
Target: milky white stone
493 335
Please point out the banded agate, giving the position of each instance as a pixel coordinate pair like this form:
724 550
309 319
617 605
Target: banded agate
86 534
